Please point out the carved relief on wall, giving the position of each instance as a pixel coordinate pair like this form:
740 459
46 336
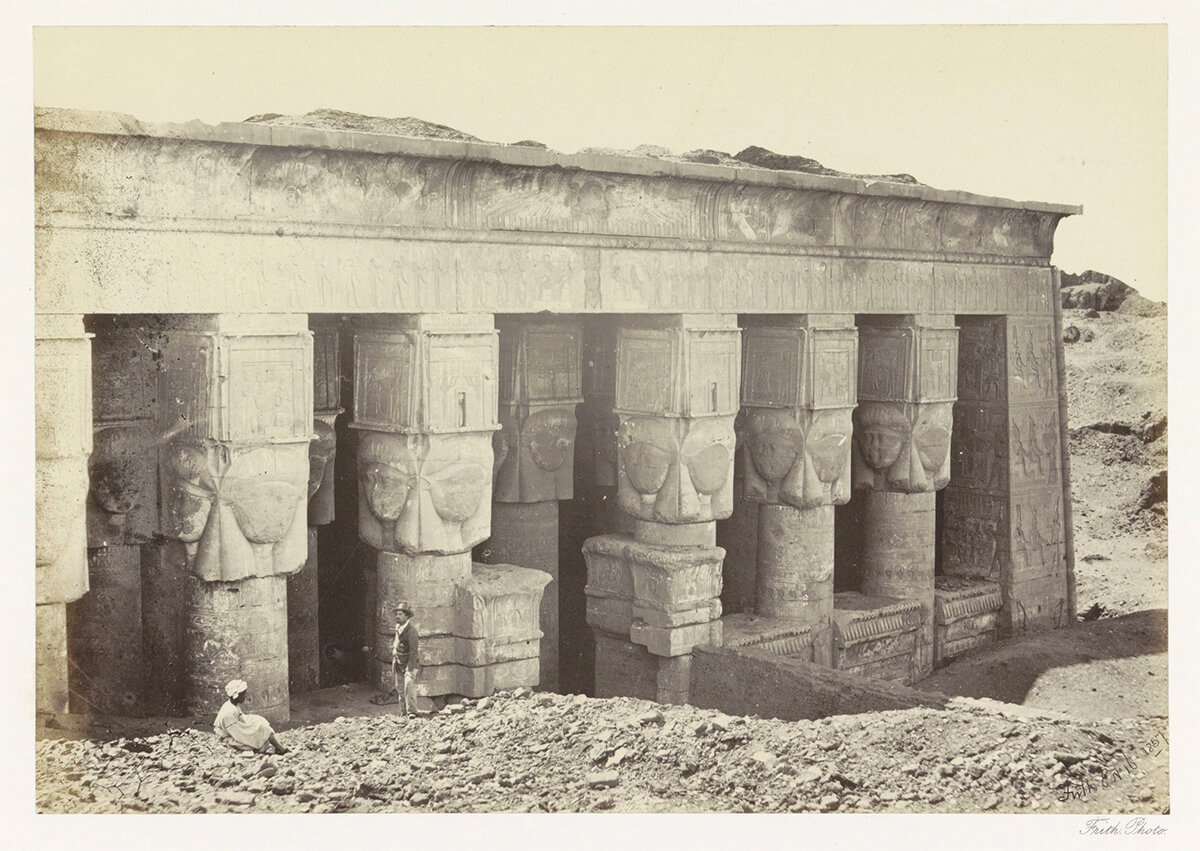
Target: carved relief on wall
122 498
801 460
979 455
975 541
1032 366
422 493
1034 454
676 469
982 374
239 509
1038 546
902 447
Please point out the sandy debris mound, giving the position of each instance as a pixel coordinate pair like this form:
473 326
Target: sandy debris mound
576 754
1116 388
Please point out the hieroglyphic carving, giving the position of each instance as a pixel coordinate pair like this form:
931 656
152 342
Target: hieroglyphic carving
982 373
1031 360
266 387
979 453
1037 535
681 371
540 384
410 380
1034 457
975 537
885 363
424 493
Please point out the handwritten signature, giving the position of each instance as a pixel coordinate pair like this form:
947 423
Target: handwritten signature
1125 767
1101 826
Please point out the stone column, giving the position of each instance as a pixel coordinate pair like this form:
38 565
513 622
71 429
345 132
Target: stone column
303 627
63 434
907 369
235 415
105 626
653 596
798 394
1004 519
535 455
426 407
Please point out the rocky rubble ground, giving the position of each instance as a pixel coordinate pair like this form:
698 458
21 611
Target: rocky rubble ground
538 752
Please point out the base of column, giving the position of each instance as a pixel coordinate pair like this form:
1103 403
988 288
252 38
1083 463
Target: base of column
429 584
237 630
51 658
899 534
104 629
526 534
625 669
795 567
304 640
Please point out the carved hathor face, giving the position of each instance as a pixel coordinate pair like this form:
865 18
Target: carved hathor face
238 508
424 493
804 463
674 470
882 431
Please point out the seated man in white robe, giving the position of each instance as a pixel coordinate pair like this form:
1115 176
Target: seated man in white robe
244 731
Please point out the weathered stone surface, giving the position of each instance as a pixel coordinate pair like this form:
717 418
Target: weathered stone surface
424 493
526 534
676 396
303 632
63 437
53 693
322 452
675 641
878 636
795 566
122 497
236 630
798 392
104 632
539 387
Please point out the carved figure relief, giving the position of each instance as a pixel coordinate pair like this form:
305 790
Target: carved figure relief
902 447
675 470
421 493
801 460
121 503
238 509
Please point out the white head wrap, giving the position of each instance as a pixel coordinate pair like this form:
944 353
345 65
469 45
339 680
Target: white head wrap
235 688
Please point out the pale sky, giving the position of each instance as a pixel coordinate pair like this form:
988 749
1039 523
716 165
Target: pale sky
1068 114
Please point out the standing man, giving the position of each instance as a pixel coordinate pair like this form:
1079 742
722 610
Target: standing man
404 658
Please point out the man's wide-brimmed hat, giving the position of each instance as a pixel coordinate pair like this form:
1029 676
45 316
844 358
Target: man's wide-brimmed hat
235 688
404 607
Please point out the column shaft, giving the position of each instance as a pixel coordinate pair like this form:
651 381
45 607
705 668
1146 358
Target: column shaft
795 567
304 650
236 630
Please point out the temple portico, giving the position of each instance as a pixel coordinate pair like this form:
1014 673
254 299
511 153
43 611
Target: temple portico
617 400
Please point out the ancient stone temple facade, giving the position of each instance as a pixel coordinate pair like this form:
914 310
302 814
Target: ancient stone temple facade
816 415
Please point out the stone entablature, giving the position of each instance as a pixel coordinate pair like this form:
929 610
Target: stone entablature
277 219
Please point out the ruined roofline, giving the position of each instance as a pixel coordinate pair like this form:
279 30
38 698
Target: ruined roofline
120 124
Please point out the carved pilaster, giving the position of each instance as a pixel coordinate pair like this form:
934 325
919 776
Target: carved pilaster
1004 519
